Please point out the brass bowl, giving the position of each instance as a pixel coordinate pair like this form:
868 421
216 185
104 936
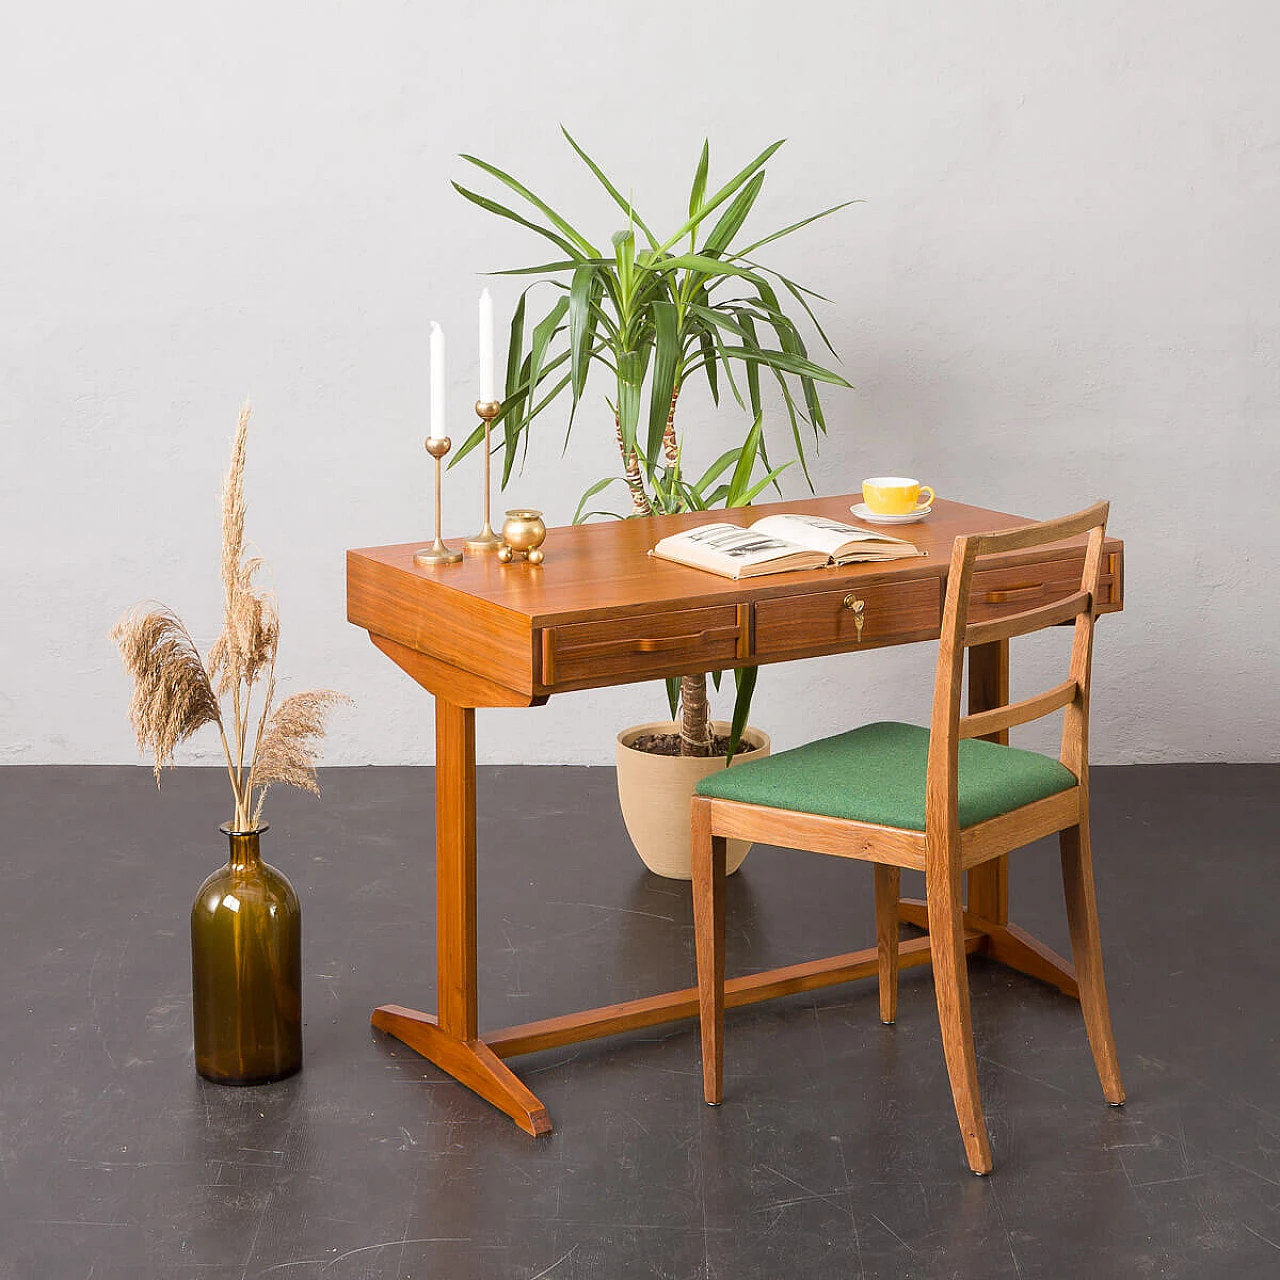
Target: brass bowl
523 532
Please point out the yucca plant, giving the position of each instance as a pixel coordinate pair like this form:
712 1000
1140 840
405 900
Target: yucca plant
655 314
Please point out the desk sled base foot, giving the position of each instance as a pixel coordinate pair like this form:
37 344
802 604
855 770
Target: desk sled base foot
1006 944
471 1062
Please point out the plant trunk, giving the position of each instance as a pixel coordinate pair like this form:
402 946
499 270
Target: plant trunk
695 729
695 725
640 504
669 446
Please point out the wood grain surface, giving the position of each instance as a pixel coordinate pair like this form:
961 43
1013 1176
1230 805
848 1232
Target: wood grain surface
600 610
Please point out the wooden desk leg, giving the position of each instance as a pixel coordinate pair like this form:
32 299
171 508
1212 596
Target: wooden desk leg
451 1039
987 909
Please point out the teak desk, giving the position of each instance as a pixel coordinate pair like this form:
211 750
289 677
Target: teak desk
601 612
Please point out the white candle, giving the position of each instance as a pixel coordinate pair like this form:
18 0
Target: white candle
488 393
438 431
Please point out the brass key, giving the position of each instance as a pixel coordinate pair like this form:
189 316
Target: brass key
859 613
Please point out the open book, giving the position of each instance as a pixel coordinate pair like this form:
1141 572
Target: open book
777 544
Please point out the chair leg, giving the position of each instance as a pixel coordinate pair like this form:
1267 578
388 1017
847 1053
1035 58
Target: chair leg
708 924
951 986
1086 951
887 883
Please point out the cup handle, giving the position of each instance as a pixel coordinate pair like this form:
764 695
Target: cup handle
922 501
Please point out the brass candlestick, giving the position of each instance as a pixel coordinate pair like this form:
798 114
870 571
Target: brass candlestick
437 552
486 540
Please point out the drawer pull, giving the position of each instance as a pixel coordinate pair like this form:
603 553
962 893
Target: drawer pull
664 644
859 610
1013 593
659 644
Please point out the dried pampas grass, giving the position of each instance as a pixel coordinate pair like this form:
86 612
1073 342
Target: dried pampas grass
172 694
175 693
288 744
250 628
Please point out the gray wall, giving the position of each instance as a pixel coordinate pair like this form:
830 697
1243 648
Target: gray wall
1062 284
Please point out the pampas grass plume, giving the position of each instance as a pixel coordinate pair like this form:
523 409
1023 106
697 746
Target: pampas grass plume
175 692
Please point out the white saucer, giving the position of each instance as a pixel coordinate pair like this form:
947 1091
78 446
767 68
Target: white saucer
863 512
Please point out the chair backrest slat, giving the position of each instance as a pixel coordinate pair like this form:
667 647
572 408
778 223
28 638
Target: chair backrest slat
947 727
1029 620
982 723
1039 534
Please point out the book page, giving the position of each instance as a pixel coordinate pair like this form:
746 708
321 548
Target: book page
820 533
743 546
735 552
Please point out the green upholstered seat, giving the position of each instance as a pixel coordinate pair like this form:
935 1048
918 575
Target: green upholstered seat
877 774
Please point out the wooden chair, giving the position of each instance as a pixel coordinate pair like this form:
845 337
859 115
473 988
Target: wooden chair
938 800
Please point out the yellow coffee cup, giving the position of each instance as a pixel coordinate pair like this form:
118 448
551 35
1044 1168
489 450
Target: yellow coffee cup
895 495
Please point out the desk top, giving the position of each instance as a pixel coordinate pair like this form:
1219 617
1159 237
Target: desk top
600 610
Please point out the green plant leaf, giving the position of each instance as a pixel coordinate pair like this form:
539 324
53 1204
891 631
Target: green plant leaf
798 294
794 417
795 226
745 678
631 371
708 349
545 268
732 219
598 487
741 478
723 194
624 245
699 189
553 393
718 468
580 325
532 370
771 478
543 332
712 267
515 345
666 362
618 199
583 244
722 360
673 694
768 271
725 320
784 362
475 438
752 343
492 206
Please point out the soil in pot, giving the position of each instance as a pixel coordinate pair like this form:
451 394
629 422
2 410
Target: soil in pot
668 744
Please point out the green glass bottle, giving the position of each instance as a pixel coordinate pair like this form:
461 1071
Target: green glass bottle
246 969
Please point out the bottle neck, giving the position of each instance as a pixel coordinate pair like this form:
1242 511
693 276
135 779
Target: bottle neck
244 847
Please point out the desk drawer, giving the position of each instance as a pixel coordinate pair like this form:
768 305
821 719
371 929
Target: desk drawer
686 640
822 621
997 593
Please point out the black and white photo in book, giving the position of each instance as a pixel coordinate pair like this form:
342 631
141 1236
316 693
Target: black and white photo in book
778 544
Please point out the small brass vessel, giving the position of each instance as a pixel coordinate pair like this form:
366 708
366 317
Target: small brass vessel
523 533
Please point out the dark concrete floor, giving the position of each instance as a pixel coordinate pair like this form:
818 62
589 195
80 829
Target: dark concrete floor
836 1152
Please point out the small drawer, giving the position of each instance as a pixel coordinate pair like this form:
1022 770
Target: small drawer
996 593
827 621
686 640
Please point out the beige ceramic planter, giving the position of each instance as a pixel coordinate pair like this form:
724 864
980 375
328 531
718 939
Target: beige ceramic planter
655 792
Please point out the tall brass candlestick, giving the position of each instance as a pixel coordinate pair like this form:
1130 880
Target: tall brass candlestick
486 540
437 552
